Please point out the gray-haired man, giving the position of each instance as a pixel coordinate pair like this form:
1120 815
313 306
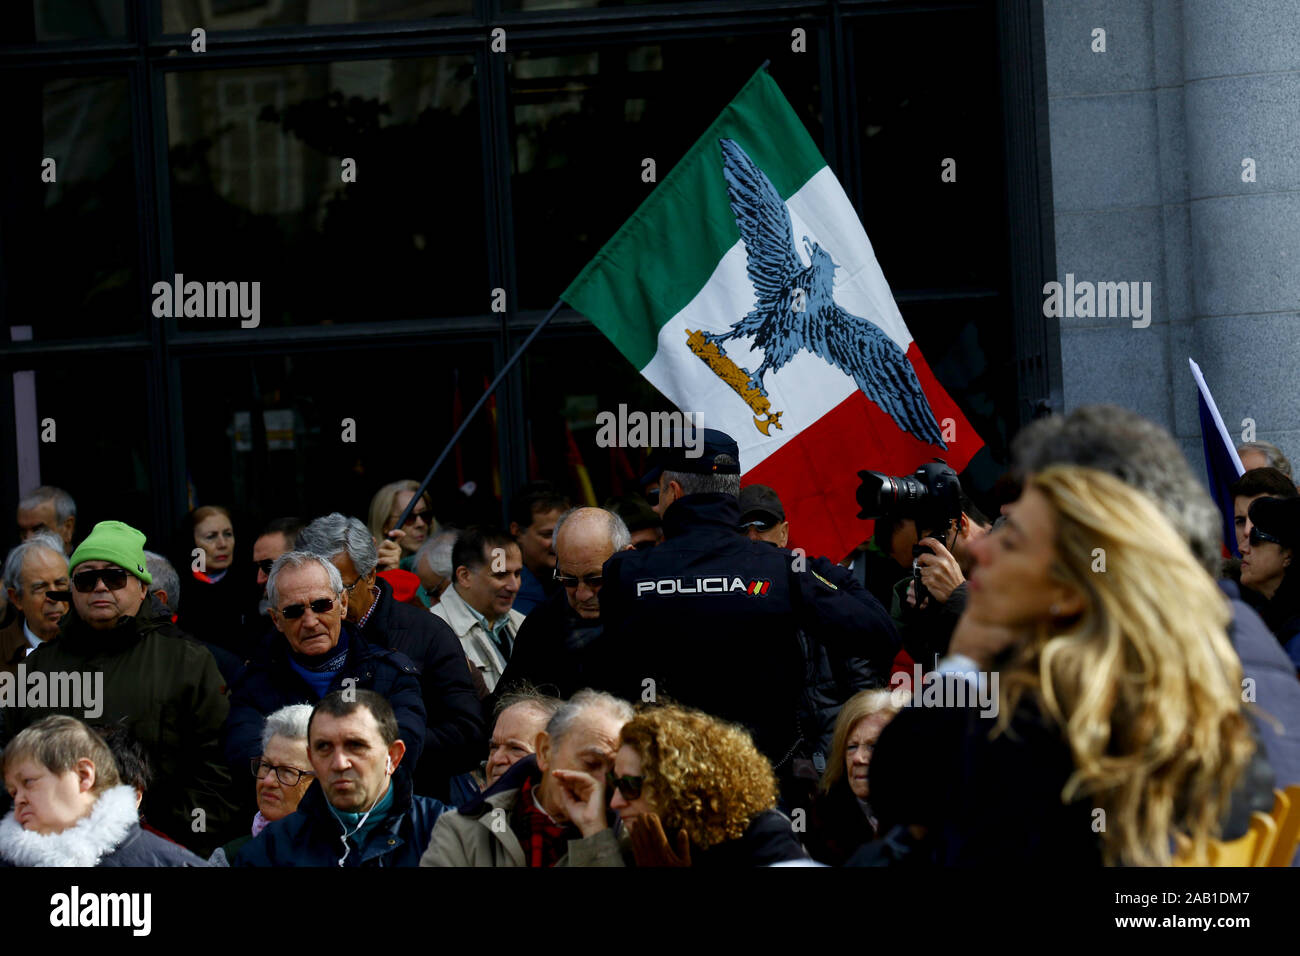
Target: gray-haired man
558 640
36 580
315 653
453 738
549 809
48 509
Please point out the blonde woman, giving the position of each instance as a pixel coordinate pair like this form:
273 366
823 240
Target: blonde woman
1120 725
386 507
841 818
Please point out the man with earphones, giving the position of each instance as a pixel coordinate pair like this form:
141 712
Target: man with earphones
361 810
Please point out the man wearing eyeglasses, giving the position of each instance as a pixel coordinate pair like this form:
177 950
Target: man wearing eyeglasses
454 735
315 653
558 640
168 692
279 537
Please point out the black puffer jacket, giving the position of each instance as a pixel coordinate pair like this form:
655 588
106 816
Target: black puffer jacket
270 682
454 739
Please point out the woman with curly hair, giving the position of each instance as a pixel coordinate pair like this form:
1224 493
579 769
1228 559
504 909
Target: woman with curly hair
1119 727
700 778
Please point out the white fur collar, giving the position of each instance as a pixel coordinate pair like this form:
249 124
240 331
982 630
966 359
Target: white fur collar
94 836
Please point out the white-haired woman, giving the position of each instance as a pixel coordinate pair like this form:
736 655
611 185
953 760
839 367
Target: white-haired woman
283 773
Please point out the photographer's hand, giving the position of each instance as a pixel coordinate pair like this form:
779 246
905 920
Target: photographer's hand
940 572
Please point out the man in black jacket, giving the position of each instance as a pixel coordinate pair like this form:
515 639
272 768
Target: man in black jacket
315 653
454 737
168 692
558 639
710 618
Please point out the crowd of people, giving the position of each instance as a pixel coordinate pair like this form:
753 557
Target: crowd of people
663 681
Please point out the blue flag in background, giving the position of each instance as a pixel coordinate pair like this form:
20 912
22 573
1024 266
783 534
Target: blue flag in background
1222 465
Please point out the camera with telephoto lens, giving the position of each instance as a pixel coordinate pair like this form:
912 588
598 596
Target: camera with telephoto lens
931 497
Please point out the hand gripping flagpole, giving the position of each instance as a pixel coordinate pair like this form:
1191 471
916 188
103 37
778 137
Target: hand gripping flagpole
505 369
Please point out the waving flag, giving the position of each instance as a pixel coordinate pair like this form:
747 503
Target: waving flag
1222 463
745 288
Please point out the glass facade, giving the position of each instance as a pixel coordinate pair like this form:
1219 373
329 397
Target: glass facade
403 188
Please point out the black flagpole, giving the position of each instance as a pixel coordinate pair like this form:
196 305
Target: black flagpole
401 522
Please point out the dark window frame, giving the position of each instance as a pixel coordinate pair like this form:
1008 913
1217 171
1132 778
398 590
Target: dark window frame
145 55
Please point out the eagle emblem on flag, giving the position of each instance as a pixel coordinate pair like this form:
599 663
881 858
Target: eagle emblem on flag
795 310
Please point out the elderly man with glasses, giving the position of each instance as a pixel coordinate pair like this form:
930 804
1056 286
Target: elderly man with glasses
317 651
453 740
126 669
559 642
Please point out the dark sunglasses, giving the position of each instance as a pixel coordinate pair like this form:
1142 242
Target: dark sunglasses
114 579
295 611
1256 536
569 582
265 565
645 545
630 787
415 515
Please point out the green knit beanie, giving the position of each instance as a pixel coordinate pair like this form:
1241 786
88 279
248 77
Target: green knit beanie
116 542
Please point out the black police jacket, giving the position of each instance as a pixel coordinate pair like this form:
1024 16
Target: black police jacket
710 619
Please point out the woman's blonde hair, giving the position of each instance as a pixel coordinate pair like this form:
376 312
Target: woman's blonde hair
381 506
703 775
861 705
1144 683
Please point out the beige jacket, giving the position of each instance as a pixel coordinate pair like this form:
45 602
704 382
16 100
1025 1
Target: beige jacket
474 640
487 840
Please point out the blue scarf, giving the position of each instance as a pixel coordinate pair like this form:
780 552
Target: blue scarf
319 671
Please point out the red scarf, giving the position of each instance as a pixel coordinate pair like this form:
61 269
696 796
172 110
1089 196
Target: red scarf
544 840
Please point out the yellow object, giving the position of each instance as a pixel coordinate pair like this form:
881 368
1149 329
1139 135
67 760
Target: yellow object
1251 850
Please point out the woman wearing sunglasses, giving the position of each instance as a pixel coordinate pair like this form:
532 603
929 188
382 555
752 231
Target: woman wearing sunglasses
682 773
1268 568
282 774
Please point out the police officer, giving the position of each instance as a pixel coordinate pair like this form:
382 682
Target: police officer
710 618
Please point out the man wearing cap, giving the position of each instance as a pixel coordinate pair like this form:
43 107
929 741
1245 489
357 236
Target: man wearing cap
710 618
830 678
1269 570
125 670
